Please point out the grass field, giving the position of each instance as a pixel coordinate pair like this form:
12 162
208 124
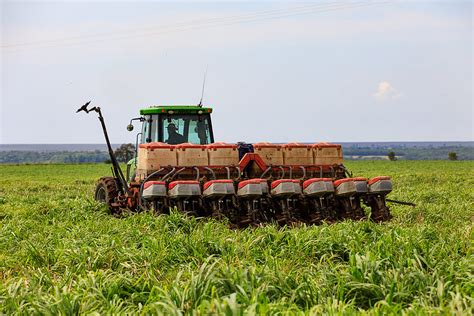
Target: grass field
60 253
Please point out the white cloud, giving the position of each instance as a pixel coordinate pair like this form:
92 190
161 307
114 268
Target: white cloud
386 91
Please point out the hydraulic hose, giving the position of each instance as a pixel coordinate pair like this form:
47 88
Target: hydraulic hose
266 171
197 173
282 172
177 172
304 172
168 174
211 171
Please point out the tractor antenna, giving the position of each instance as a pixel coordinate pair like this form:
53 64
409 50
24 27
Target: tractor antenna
203 85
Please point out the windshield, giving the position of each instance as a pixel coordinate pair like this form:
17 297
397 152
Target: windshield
177 129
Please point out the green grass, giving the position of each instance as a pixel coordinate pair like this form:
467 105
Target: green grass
60 253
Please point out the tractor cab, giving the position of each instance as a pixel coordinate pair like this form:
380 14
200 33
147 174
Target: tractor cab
176 125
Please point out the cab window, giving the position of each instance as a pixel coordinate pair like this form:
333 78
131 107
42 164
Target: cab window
199 132
173 131
179 129
146 130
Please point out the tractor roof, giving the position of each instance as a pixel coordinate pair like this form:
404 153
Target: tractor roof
175 109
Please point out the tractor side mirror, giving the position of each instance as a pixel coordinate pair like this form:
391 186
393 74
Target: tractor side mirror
130 126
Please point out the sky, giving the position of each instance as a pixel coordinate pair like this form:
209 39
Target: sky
276 71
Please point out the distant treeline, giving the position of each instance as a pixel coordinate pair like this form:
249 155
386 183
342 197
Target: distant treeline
411 153
53 157
350 152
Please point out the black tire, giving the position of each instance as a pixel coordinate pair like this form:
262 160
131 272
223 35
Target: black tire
106 192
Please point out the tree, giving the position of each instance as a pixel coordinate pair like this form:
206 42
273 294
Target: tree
391 156
452 156
125 152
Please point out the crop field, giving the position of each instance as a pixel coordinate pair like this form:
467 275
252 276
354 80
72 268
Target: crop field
61 253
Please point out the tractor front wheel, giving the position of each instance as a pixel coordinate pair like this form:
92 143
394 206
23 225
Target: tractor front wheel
106 192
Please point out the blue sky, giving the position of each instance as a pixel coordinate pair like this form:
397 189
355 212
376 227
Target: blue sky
277 71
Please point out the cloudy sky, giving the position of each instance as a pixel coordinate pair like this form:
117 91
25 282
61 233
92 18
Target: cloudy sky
277 71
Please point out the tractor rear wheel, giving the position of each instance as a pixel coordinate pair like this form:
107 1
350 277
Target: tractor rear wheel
106 192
